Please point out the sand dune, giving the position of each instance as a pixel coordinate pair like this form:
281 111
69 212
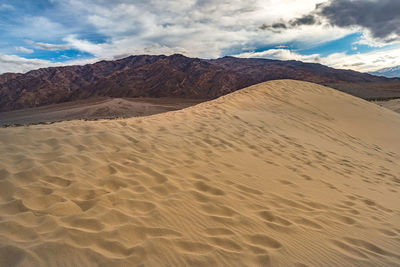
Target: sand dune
283 173
393 104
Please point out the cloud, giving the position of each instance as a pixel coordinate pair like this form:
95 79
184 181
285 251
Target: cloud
13 63
51 47
16 28
17 64
379 19
202 28
304 20
6 7
24 49
281 54
365 62
197 28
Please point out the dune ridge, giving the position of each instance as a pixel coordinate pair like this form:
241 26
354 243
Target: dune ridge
283 173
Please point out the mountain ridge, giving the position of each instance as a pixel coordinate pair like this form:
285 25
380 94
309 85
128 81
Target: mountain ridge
175 76
392 72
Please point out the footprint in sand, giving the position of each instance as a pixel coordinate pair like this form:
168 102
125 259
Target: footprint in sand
308 223
57 181
203 187
226 244
193 247
85 224
218 210
348 250
264 241
270 217
218 231
249 190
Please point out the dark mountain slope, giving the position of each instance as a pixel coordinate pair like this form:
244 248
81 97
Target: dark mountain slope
175 76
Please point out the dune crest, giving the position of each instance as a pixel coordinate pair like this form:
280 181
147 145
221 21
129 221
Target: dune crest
283 173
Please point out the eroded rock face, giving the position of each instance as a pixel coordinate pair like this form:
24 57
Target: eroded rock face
175 76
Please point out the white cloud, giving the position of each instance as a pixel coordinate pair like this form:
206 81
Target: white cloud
368 40
197 28
40 27
51 47
363 62
281 54
202 28
6 7
24 49
13 63
17 64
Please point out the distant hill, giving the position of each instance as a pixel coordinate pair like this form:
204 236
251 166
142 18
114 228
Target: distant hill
388 72
175 76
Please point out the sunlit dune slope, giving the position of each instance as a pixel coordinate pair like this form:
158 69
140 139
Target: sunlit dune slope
284 173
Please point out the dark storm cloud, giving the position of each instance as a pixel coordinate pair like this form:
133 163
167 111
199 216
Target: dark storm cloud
279 26
276 27
380 17
305 20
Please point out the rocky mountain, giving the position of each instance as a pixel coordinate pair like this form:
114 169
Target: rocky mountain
175 76
388 72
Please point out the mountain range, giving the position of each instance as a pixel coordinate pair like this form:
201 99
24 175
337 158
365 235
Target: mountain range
176 76
392 72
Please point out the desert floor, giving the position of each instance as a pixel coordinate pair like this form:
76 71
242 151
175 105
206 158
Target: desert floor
283 173
94 109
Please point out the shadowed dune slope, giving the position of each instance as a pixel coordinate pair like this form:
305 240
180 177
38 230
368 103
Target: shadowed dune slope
393 104
283 173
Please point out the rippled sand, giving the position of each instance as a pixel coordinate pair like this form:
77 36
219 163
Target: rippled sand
284 173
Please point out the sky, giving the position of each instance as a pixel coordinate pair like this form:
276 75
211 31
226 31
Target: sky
362 35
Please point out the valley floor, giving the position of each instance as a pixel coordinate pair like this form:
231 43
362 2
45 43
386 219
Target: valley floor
94 109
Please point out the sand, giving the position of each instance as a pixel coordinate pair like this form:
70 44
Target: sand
393 104
284 173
